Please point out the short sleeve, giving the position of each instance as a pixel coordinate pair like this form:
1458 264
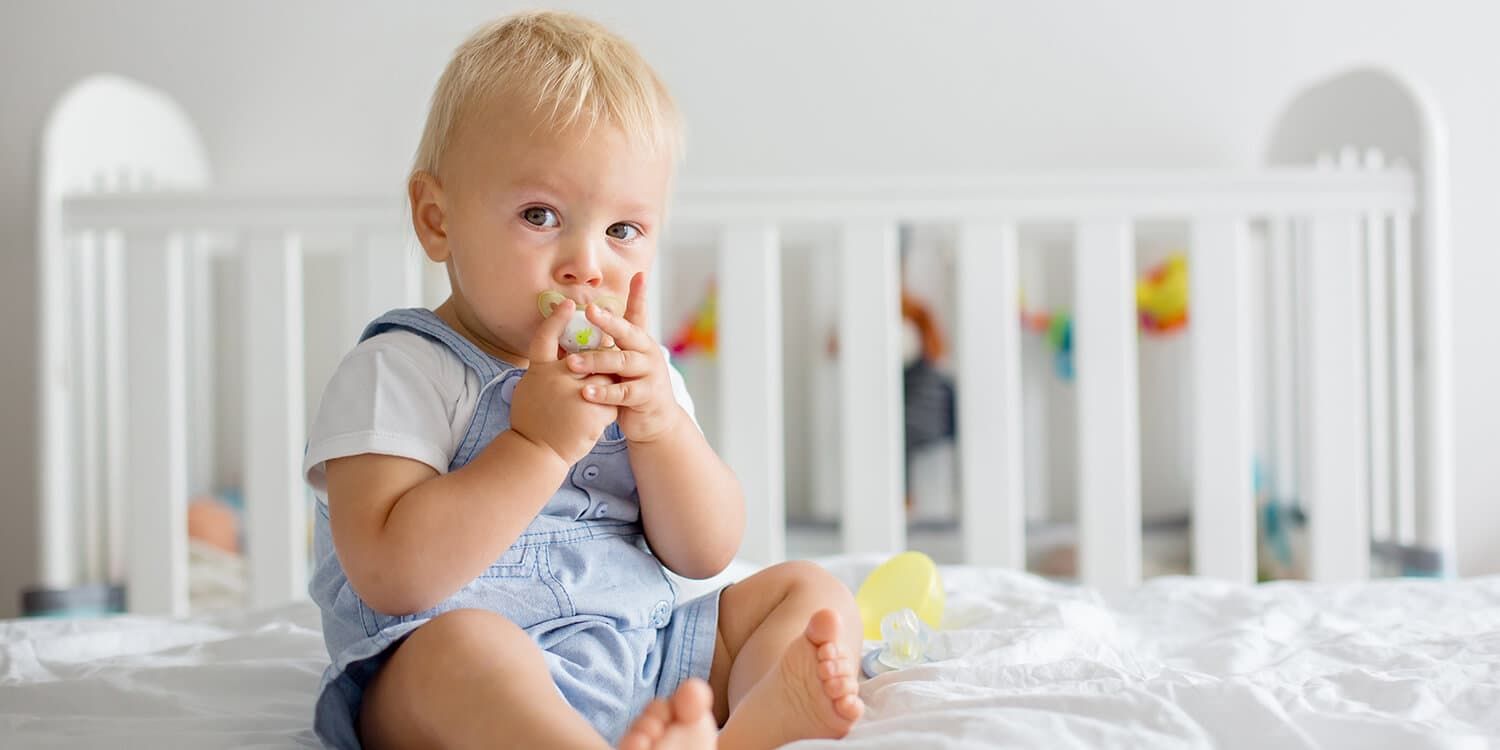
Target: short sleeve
383 399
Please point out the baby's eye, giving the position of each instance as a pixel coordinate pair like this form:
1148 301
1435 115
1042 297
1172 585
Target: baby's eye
539 216
623 232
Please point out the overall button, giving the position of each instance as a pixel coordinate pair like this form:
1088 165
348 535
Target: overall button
601 510
591 472
508 388
660 615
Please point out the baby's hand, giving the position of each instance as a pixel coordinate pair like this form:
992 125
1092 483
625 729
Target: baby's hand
548 407
644 390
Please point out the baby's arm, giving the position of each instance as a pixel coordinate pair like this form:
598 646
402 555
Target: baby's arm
691 503
408 537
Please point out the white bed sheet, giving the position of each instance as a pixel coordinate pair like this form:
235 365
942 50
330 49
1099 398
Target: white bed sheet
1020 662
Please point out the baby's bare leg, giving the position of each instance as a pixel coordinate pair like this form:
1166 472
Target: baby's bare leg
469 678
785 664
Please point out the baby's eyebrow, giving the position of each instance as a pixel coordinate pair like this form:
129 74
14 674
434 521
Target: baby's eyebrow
637 207
537 185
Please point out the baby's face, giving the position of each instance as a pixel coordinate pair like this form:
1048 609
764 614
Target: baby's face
531 210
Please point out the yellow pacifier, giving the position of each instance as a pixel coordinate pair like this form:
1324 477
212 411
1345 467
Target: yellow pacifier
580 334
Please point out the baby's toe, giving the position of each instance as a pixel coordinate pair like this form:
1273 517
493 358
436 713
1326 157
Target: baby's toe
850 707
840 686
647 728
830 651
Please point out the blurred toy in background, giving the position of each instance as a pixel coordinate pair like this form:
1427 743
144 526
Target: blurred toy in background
1162 297
928 392
215 523
1058 330
699 334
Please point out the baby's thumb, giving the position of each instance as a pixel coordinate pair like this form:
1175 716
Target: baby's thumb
544 343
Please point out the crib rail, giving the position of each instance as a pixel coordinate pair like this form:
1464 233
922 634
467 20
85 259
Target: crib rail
1316 217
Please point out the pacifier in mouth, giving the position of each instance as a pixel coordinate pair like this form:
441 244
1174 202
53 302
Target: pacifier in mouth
580 334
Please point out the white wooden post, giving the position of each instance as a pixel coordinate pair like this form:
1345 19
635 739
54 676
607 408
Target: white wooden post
90 426
1404 381
275 497
657 281
989 396
1104 340
202 332
1337 497
1378 364
384 273
157 416
1223 494
1436 529
116 408
1284 355
870 414
750 394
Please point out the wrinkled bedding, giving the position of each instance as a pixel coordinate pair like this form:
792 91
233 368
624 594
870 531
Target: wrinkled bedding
1020 662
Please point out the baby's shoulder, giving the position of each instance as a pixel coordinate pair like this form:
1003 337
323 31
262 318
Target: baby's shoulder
410 358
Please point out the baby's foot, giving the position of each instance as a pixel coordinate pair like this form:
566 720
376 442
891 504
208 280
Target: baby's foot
684 723
811 693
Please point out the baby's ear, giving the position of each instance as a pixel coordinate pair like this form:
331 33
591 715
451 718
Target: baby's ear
429 214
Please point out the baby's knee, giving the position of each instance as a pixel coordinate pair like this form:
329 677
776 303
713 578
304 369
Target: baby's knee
812 581
467 634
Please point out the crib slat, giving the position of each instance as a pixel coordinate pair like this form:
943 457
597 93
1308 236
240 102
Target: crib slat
1378 366
749 310
1435 525
275 498
1337 497
1104 339
113 303
202 327
86 347
157 417
870 406
657 280
1223 497
1283 352
1404 381
989 396
384 274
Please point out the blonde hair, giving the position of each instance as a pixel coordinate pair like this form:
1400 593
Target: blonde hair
571 71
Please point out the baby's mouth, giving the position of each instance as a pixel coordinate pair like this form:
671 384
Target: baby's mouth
550 299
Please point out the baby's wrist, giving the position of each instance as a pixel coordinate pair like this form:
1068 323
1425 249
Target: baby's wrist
539 449
670 420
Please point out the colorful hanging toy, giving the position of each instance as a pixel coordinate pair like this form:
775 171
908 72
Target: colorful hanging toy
699 335
1161 299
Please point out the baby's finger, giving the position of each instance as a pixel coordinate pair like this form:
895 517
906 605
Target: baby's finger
625 363
631 393
543 346
635 305
625 335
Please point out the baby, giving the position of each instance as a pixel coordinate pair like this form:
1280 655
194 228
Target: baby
494 514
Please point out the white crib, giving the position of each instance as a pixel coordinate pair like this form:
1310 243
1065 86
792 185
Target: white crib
1347 382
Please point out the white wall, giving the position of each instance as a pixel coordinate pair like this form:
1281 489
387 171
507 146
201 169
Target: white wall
332 95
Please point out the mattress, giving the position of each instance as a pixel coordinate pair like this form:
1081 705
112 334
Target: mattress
1020 662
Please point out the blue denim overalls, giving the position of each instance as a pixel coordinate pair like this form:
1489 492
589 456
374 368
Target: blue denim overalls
579 580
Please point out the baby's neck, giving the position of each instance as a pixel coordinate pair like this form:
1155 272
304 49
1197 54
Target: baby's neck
448 313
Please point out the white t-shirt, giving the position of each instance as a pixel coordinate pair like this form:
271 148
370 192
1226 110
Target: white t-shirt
402 394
